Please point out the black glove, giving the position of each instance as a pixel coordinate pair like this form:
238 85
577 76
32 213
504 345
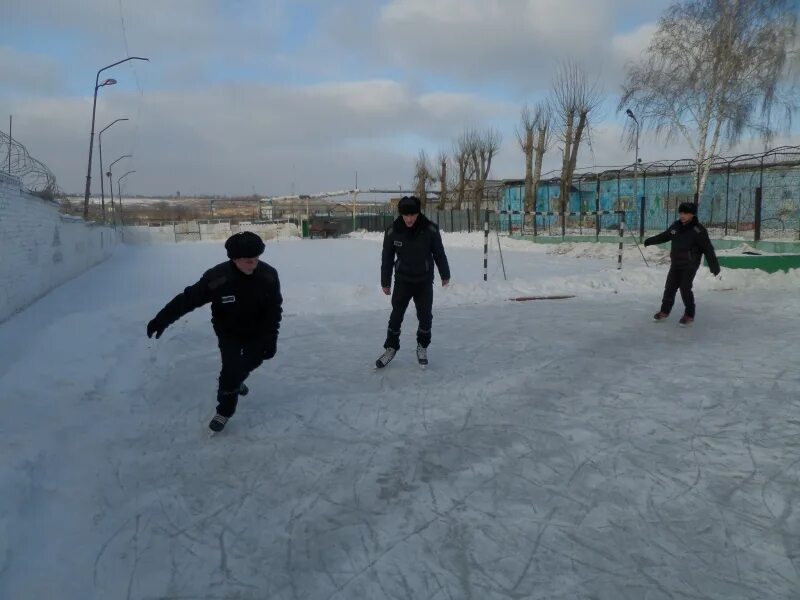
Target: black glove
155 326
715 273
270 346
646 243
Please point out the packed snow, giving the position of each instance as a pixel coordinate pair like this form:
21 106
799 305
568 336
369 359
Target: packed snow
552 449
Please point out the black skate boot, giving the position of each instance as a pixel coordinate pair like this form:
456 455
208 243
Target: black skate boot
217 424
385 358
422 356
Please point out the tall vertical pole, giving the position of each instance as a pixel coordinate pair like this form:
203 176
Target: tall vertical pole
486 245
113 208
91 146
597 210
727 194
354 211
636 183
102 186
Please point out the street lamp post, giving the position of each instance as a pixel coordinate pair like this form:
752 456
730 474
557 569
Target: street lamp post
110 182
100 144
119 196
97 86
113 209
629 112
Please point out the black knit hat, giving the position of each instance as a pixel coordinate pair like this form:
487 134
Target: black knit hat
409 205
244 244
688 208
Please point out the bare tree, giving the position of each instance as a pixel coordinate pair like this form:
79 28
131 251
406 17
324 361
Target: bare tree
441 175
534 140
462 157
574 98
715 69
483 149
422 177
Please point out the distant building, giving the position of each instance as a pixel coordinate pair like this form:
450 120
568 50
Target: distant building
266 210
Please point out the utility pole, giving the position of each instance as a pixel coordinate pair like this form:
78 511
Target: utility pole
10 139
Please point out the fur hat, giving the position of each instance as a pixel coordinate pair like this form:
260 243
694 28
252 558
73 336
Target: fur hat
244 244
689 208
409 205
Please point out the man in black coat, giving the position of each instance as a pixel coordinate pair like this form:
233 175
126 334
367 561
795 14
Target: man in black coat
246 307
411 246
689 242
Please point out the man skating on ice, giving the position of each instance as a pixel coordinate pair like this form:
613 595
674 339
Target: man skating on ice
689 242
246 307
411 247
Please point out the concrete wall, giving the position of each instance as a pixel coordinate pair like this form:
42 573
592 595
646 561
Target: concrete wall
40 248
193 231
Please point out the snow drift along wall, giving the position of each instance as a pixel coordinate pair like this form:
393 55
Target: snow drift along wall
40 248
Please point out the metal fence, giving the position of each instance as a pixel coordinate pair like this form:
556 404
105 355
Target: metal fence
595 224
372 220
751 196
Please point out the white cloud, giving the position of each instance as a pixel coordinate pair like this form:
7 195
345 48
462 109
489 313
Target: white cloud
630 46
226 139
26 72
363 87
513 43
192 36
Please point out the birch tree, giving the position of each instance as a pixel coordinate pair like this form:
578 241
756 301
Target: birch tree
714 70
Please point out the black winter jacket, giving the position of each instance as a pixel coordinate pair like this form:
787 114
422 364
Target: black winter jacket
689 243
412 252
244 306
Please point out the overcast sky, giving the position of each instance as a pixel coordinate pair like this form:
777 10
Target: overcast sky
277 96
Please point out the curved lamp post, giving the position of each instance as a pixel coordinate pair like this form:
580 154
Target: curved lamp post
119 195
100 144
97 86
110 182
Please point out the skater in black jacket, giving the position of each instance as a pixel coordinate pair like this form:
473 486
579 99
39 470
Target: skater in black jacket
689 242
246 307
411 247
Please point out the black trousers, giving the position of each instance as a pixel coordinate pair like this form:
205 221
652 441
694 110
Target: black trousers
239 359
679 279
404 292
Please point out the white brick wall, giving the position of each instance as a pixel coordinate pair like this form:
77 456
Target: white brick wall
146 234
41 249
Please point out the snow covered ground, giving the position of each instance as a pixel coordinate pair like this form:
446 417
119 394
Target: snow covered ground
553 449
